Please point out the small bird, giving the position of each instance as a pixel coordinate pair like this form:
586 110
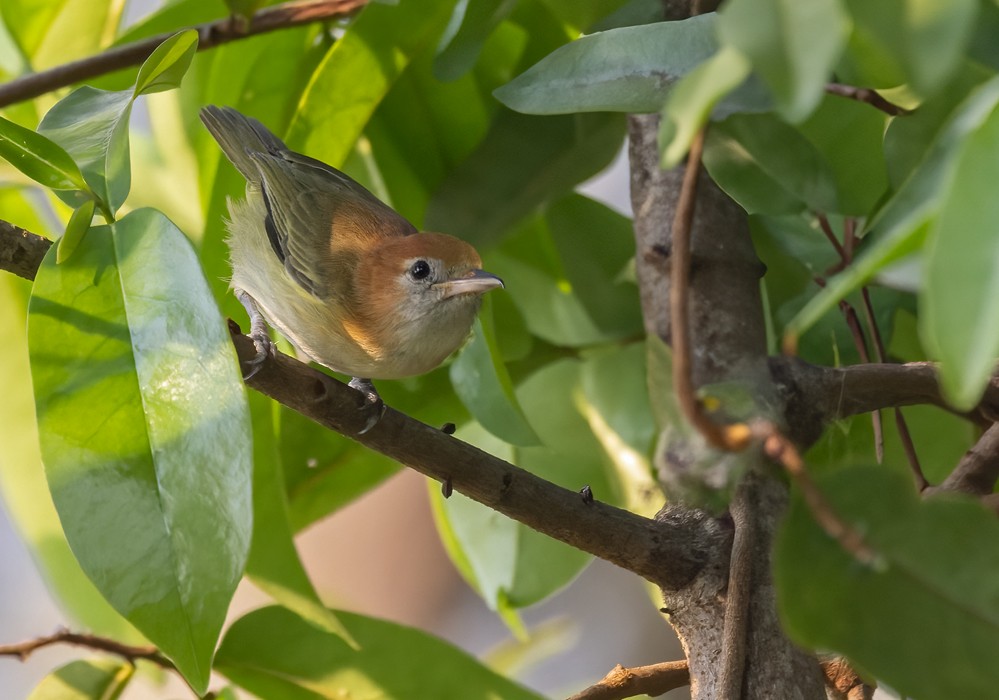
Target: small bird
340 274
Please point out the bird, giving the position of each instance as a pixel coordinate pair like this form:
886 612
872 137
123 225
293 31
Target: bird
351 283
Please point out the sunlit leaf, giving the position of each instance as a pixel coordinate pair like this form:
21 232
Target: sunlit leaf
275 654
144 431
85 680
167 64
38 157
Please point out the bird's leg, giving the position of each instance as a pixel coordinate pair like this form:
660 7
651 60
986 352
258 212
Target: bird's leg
258 334
373 404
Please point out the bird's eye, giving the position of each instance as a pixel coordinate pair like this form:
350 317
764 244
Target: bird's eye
419 270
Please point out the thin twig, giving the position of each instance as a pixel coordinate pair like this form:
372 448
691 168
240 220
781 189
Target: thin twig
853 323
740 580
732 438
781 450
22 650
210 35
827 229
652 680
867 96
903 429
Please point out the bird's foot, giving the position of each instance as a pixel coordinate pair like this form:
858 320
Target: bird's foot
258 334
373 405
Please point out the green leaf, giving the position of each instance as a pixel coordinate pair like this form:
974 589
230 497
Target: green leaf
85 680
92 125
144 431
630 69
76 229
360 69
483 384
918 42
52 33
471 24
960 300
768 166
939 557
523 162
274 565
275 654
510 565
899 226
690 103
39 158
793 46
167 64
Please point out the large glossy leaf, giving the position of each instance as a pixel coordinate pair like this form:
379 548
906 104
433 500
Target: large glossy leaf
482 382
274 565
918 42
26 495
276 655
899 226
360 69
792 45
51 33
630 69
960 301
924 618
92 125
523 162
144 431
85 680
40 158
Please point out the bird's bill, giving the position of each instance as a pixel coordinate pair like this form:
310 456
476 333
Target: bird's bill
476 282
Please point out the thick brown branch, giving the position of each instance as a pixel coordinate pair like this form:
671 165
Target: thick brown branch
660 552
978 470
211 34
623 682
867 96
22 650
21 251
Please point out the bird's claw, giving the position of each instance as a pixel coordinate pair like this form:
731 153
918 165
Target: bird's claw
265 348
373 405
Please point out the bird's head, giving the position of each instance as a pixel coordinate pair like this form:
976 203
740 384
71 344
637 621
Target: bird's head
423 290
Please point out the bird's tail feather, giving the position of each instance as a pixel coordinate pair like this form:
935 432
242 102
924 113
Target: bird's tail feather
239 136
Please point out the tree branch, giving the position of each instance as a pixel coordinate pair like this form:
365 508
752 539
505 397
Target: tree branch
210 35
22 650
659 551
654 680
978 470
867 96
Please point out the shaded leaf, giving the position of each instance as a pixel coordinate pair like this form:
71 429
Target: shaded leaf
85 680
937 557
793 46
899 226
523 162
275 654
469 27
167 64
144 431
483 384
690 103
274 564
960 300
630 69
39 157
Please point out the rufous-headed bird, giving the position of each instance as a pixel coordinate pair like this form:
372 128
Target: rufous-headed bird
346 279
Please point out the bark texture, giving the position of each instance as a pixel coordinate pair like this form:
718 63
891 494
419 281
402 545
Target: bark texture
728 344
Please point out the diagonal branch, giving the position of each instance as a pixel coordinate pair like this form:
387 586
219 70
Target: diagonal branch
665 553
210 35
22 650
978 470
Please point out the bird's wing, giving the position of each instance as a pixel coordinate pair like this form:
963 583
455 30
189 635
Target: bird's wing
319 220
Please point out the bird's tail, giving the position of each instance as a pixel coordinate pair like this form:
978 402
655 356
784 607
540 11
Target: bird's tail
240 136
